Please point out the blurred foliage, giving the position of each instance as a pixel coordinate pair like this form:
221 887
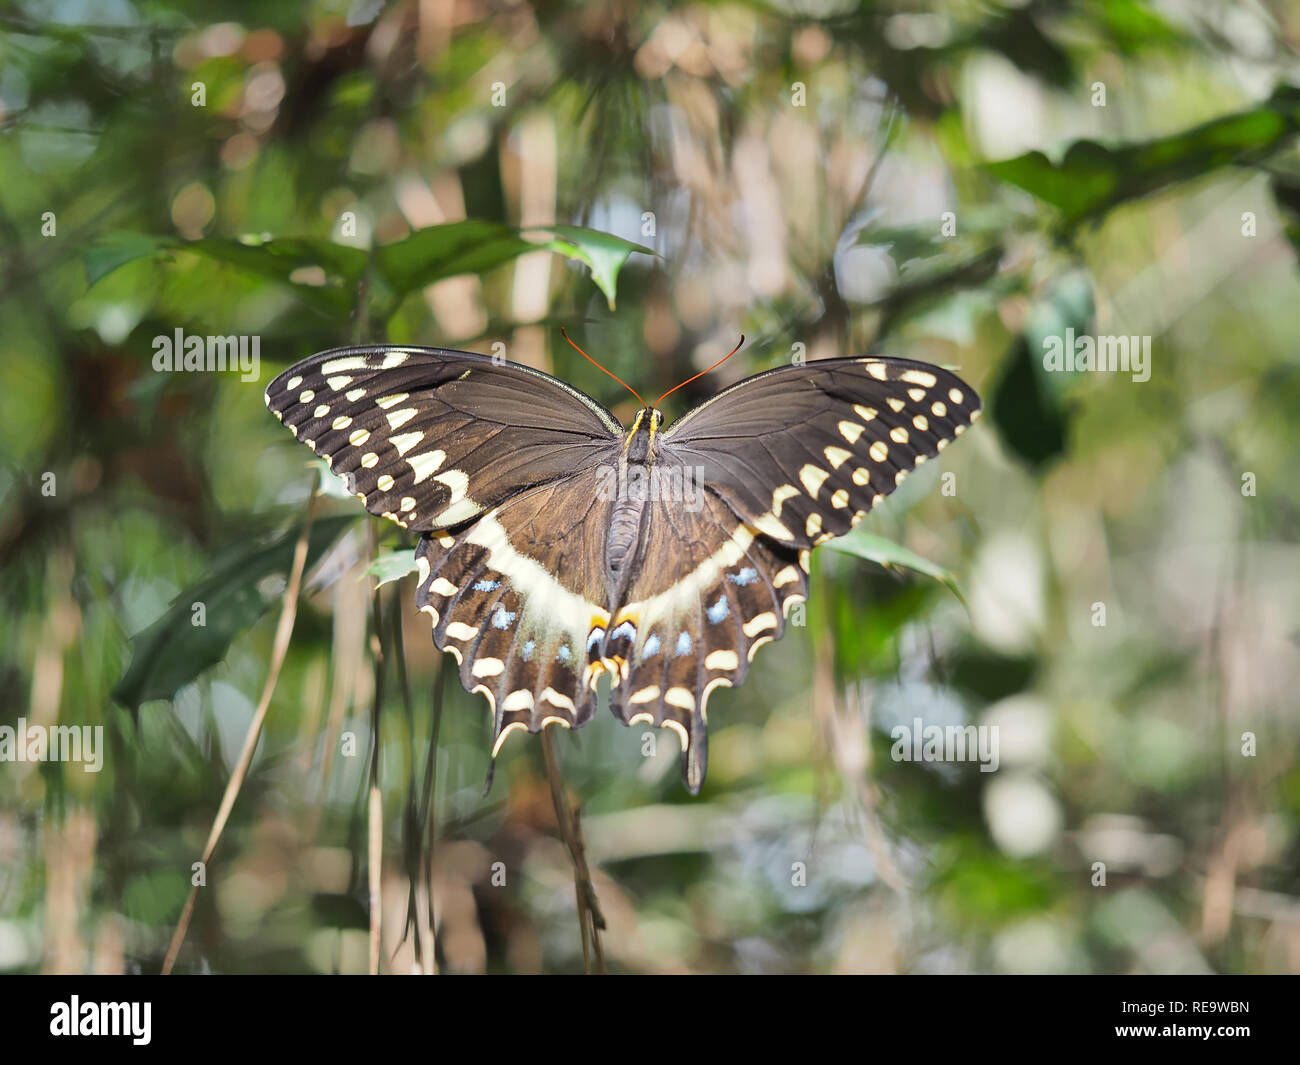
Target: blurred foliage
946 184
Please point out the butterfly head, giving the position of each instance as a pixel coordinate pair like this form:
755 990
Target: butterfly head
640 439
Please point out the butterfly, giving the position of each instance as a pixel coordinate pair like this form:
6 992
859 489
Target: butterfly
558 547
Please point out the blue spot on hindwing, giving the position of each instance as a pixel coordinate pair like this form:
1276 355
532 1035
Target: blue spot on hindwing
684 644
564 654
527 652
651 646
486 585
746 576
503 618
719 610
626 629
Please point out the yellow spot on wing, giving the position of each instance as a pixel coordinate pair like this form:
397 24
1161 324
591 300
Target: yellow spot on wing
352 362
680 729
559 699
680 698
406 441
427 464
722 660
785 576
786 491
813 477
837 456
496 747
518 700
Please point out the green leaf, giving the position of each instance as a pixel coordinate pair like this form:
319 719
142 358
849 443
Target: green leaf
1092 178
603 252
392 566
330 483
438 252
325 274
322 273
873 548
172 651
1029 404
1133 27
116 250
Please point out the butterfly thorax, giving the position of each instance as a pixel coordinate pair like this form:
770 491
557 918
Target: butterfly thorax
628 514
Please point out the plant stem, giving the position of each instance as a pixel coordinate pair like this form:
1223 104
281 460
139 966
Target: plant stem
591 921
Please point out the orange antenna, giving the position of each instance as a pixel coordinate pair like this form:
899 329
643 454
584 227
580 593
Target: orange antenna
703 372
601 368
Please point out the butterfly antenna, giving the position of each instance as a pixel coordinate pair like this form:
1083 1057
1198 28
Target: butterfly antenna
703 372
601 368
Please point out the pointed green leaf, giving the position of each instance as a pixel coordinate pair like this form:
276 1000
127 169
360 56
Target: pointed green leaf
873 548
392 566
603 252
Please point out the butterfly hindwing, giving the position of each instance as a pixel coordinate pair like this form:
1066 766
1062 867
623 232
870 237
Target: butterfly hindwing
711 590
515 597
431 438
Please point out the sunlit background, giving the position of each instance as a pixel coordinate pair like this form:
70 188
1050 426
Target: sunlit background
827 178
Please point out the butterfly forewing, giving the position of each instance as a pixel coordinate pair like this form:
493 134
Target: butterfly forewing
431 438
804 452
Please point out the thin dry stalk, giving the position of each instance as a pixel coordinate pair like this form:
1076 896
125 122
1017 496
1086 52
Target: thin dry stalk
375 820
279 649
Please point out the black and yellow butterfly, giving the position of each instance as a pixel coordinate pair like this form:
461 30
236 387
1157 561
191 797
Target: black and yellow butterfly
559 546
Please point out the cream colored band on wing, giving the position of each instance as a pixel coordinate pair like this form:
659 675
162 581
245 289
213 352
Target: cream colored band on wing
570 612
685 593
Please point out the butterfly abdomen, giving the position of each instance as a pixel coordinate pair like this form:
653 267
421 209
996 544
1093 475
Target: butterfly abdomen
624 534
